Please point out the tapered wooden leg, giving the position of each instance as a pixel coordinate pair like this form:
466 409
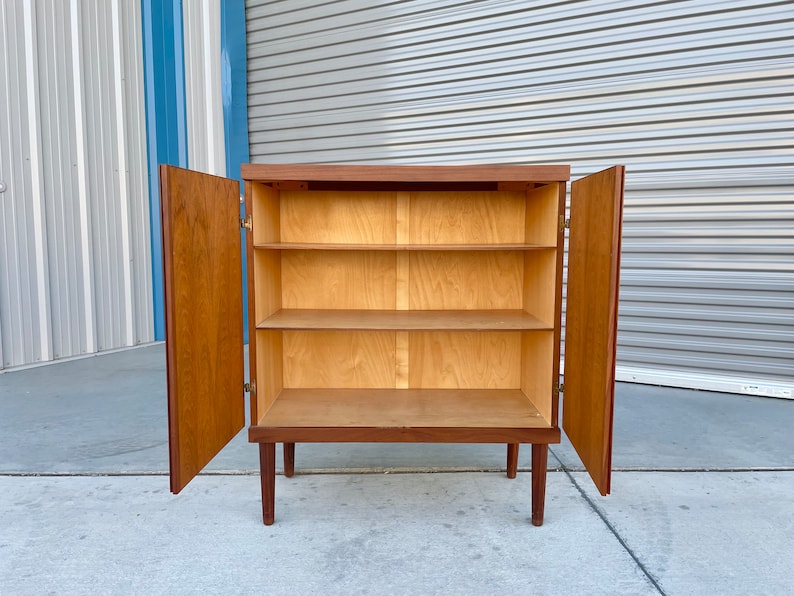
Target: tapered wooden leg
512 460
267 473
540 456
289 460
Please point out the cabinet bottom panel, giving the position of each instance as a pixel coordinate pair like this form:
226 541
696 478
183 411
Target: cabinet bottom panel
400 415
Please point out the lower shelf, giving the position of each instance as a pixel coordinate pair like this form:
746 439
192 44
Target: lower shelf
403 415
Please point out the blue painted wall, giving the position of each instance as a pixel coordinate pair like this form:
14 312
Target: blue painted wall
166 119
235 106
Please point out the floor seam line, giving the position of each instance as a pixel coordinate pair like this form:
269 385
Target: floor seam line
615 533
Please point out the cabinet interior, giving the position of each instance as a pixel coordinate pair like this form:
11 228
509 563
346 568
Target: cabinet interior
410 307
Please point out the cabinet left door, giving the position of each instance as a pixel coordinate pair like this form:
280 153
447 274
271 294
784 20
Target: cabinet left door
202 264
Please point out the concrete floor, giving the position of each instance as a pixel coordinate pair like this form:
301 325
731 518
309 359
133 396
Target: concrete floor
701 502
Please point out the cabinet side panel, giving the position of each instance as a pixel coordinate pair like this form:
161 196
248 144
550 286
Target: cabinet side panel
352 217
339 279
343 359
467 217
540 284
269 367
537 370
464 360
542 214
466 280
267 283
204 317
265 211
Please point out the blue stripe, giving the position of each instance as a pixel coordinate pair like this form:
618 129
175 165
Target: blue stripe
166 120
235 104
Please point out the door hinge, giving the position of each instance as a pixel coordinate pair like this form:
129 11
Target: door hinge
564 223
246 223
250 387
559 387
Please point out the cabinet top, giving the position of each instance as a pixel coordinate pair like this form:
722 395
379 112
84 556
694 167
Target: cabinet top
405 173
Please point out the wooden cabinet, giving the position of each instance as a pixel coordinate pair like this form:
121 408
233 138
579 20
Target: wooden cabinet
391 303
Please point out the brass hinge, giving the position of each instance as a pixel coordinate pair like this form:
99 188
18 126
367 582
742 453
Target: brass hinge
246 223
250 387
559 387
564 223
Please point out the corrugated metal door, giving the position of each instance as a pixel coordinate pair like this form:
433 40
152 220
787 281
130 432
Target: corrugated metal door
694 97
75 265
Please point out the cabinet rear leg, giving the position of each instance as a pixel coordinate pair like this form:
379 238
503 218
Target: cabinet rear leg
267 473
540 456
512 460
289 460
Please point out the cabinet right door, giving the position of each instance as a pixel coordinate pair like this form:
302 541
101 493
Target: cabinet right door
591 319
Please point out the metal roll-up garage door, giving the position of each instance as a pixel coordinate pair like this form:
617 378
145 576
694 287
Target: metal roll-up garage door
694 97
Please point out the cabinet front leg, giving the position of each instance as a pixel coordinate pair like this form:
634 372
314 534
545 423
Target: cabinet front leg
289 460
267 473
512 460
540 456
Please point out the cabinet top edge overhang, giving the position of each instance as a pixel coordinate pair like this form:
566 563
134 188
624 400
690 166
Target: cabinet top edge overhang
531 174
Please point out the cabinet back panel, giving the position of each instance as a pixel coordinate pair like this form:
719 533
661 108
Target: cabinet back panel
467 217
339 217
464 360
466 280
338 279
344 359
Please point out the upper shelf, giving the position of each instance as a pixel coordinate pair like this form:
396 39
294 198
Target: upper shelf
387 247
404 320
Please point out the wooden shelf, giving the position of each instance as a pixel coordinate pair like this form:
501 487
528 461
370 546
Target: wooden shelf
404 320
402 408
398 247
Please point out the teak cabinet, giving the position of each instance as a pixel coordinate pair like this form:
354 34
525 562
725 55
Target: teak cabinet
391 303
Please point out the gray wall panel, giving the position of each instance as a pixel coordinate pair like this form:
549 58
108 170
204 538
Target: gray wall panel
694 97
75 271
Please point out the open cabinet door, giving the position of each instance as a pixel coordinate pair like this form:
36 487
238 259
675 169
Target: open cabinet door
204 317
591 319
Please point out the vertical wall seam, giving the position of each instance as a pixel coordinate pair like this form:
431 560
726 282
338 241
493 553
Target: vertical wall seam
82 182
123 186
37 185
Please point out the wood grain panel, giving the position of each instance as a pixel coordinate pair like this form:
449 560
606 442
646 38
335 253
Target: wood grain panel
270 369
540 279
265 211
591 319
403 408
542 208
267 283
338 217
537 370
464 360
338 279
467 217
204 317
466 280
349 359
402 173
407 320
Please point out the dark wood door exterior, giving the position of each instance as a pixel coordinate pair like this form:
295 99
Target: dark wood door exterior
591 319
204 317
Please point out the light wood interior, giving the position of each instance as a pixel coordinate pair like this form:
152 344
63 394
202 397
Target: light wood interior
467 217
403 408
405 308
